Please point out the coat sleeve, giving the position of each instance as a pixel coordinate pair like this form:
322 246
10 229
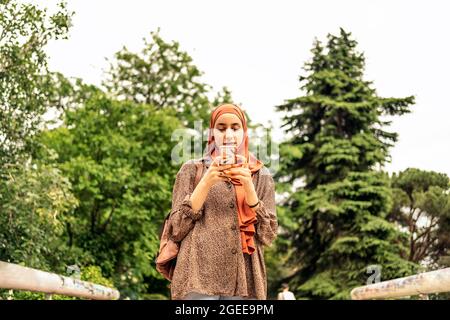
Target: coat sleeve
267 224
182 218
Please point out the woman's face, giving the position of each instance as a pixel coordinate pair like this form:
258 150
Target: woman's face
228 130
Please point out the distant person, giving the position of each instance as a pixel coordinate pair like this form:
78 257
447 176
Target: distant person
285 294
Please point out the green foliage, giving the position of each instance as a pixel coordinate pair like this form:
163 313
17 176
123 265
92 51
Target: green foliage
164 76
91 274
336 218
319 286
422 207
117 155
93 191
96 188
25 84
35 199
94 274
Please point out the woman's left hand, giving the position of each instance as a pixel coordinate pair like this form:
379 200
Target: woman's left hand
241 173
244 175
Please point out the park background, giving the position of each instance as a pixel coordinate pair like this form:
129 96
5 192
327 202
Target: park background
354 94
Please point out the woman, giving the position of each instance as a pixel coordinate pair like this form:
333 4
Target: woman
224 222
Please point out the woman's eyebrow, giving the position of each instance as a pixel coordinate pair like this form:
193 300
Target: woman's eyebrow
224 124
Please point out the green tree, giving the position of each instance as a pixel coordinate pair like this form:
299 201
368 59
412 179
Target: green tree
161 75
25 85
34 199
117 155
422 208
34 196
337 203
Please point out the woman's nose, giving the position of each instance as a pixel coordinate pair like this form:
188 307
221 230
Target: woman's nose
229 135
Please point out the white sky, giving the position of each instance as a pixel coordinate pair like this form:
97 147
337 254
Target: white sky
257 49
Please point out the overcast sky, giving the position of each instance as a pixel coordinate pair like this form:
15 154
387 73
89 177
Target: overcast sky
257 49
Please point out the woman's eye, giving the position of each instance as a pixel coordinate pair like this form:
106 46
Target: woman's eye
224 129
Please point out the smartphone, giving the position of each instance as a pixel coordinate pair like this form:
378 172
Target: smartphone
228 154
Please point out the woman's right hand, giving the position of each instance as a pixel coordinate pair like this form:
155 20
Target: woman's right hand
215 173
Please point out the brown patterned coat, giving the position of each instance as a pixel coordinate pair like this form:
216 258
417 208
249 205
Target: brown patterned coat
210 260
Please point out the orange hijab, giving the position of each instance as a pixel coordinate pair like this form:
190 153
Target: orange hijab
246 216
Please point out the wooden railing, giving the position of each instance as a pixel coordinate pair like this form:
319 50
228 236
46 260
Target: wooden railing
15 277
420 284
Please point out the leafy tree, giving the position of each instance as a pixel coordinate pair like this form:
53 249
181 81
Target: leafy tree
25 86
422 207
161 75
135 157
117 155
337 202
34 199
34 196
69 93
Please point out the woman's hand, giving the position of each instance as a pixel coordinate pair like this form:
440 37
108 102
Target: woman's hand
243 174
215 173
240 172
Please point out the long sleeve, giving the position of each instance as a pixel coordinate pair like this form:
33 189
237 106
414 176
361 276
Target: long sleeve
267 224
210 259
182 217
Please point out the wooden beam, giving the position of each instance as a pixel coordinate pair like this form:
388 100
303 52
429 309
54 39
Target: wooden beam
13 276
419 284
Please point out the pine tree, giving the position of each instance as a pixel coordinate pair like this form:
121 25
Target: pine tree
336 218
422 207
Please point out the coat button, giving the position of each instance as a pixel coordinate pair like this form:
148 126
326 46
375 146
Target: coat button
231 205
233 251
233 227
229 185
